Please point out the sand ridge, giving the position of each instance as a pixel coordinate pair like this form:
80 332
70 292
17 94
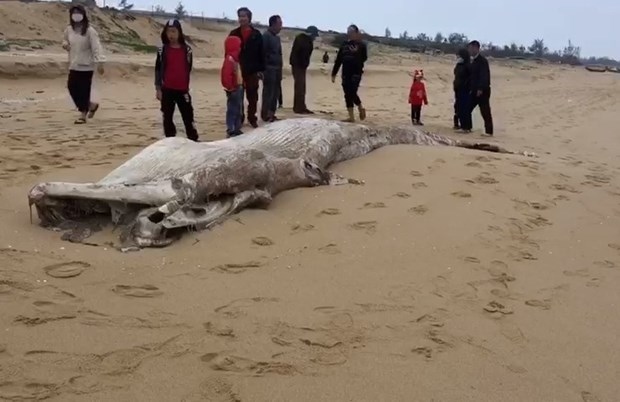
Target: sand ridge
450 275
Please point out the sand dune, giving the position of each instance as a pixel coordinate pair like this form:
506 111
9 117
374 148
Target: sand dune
451 275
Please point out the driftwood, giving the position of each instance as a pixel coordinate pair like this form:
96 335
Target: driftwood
176 184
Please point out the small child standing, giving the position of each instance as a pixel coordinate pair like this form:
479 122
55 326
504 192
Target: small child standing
417 97
173 67
232 82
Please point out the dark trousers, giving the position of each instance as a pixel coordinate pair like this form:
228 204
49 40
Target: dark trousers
299 97
484 103
350 86
169 100
79 84
272 80
280 101
234 111
462 111
416 113
251 83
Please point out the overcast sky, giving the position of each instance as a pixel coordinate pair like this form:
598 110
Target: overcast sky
587 23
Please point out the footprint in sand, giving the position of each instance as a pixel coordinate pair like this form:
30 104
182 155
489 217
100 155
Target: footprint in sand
373 205
461 194
66 269
298 228
212 329
473 164
497 307
564 187
236 364
419 210
237 268
262 241
329 212
580 272
598 178
369 226
415 173
472 260
424 351
213 389
614 246
486 159
483 179
331 248
541 304
402 195
589 397
605 264
140 291
419 184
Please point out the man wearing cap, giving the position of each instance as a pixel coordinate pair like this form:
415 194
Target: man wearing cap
303 45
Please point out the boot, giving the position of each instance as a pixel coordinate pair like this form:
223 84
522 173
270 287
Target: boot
351 118
362 112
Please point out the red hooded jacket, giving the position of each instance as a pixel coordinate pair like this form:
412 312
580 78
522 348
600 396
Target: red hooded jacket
417 94
231 70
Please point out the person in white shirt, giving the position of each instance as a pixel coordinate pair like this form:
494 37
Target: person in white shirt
82 43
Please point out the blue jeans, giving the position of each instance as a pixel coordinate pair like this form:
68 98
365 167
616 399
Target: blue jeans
234 111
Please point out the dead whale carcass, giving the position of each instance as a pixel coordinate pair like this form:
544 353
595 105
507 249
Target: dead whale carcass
176 183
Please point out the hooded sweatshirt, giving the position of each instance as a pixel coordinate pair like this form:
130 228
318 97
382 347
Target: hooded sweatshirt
173 65
462 73
417 94
231 69
85 50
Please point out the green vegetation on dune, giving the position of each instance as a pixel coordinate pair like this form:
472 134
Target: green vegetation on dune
132 40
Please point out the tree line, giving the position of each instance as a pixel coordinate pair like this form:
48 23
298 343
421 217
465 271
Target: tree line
450 44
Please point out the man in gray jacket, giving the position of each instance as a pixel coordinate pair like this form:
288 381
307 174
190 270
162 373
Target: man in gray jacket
272 77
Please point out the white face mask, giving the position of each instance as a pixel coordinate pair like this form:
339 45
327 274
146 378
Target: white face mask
77 17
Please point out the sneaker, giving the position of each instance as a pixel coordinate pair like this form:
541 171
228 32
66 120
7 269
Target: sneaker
254 123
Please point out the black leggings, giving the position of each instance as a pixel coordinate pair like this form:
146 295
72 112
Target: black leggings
169 100
79 84
350 85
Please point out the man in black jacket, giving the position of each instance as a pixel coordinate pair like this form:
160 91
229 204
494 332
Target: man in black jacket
303 45
351 56
251 60
272 77
481 85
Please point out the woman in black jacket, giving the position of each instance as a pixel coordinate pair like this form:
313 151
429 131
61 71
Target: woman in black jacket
351 57
462 81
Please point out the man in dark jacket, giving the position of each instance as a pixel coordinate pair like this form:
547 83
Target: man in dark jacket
272 77
481 85
462 89
303 45
351 56
251 60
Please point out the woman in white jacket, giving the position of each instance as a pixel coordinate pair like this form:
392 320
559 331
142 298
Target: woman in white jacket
85 55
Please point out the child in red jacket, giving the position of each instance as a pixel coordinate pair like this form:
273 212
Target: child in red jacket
417 97
232 82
